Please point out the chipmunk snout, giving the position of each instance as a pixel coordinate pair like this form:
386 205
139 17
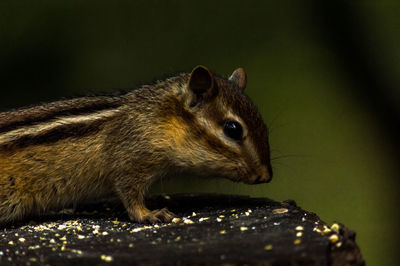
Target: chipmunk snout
263 176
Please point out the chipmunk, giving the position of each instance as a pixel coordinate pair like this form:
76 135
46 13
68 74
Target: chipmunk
65 152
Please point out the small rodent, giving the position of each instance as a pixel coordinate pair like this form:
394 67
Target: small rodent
70 151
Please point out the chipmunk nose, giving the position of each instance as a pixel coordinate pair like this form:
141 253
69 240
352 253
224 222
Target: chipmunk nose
264 176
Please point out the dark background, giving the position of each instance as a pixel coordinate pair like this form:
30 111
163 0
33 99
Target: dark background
324 76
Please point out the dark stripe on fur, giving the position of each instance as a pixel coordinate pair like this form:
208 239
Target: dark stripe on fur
32 115
75 130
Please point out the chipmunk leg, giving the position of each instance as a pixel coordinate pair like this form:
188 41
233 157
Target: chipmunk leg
133 200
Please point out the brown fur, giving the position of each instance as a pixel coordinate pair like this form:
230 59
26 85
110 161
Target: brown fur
66 152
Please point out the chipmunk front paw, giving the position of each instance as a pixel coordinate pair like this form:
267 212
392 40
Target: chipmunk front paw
158 216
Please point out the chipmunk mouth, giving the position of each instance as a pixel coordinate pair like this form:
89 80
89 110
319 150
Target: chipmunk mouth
263 175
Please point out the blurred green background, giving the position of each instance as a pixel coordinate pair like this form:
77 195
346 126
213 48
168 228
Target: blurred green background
325 77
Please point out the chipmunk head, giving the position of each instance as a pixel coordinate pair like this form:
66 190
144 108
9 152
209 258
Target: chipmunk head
221 131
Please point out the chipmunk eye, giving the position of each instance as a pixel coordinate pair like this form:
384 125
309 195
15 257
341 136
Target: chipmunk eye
233 130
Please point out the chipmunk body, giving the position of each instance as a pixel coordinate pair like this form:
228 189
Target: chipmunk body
69 151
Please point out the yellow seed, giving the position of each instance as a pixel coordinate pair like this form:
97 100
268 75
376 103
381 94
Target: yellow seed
187 221
299 234
335 227
334 238
316 229
222 232
131 245
299 228
176 220
327 231
268 247
106 258
177 238
280 211
297 241
338 244
243 228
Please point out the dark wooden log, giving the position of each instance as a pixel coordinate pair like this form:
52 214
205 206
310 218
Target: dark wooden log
213 229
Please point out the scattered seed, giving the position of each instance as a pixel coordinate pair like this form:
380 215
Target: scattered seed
243 228
167 197
187 221
299 228
219 219
178 238
335 227
222 232
299 234
22 240
176 220
268 247
297 241
327 231
106 258
280 211
316 229
334 238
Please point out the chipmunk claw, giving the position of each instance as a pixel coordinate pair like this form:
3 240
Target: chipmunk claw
158 216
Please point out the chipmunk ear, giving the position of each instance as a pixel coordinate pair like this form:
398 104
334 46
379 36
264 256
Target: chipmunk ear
202 83
239 77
